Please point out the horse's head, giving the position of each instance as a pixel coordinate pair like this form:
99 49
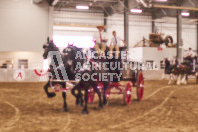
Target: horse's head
181 69
72 56
50 46
167 63
69 50
69 54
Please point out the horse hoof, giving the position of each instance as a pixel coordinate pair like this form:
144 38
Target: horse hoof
64 110
77 103
51 95
100 108
105 103
81 104
84 112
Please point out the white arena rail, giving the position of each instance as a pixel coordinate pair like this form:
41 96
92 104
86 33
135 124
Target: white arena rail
23 75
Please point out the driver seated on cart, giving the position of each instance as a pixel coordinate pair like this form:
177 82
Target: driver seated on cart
100 39
189 55
114 48
116 43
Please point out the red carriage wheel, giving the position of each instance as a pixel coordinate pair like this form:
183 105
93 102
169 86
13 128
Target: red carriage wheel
90 95
108 90
127 94
108 93
140 86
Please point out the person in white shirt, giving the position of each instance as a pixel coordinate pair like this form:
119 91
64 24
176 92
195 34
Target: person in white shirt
100 39
116 42
189 54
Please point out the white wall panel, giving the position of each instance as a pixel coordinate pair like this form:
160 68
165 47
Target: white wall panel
35 59
139 26
23 25
64 17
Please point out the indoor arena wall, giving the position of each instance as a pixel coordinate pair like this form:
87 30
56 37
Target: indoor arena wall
24 25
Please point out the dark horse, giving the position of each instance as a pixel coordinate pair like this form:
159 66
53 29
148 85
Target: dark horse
69 63
55 71
85 68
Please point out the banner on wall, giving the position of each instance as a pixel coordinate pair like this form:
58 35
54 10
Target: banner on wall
3 75
41 74
23 75
19 75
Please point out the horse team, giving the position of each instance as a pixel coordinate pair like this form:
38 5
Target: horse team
63 67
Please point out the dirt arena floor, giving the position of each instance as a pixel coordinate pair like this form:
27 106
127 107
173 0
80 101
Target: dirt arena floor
24 107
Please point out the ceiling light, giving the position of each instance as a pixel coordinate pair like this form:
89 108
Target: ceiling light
82 7
136 10
185 14
162 0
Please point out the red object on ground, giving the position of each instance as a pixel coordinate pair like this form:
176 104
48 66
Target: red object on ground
140 87
91 95
127 94
159 48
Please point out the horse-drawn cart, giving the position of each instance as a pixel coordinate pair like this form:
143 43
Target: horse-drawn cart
130 78
89 67
124 88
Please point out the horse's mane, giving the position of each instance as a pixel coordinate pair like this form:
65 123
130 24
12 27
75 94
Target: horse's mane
70 53
52 46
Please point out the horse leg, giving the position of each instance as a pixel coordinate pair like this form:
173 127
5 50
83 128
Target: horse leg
183 81
80 96
186 78
64 102
196 75
104 94
170 79
99 95
179 79
77 87
84 111
49 94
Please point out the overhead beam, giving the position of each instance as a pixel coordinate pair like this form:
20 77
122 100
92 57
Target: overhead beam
142 2
179 35
126 23
164 12
197 38
153 23
55 2
175 7
104 9
105 20
113 8
190 1
124 5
